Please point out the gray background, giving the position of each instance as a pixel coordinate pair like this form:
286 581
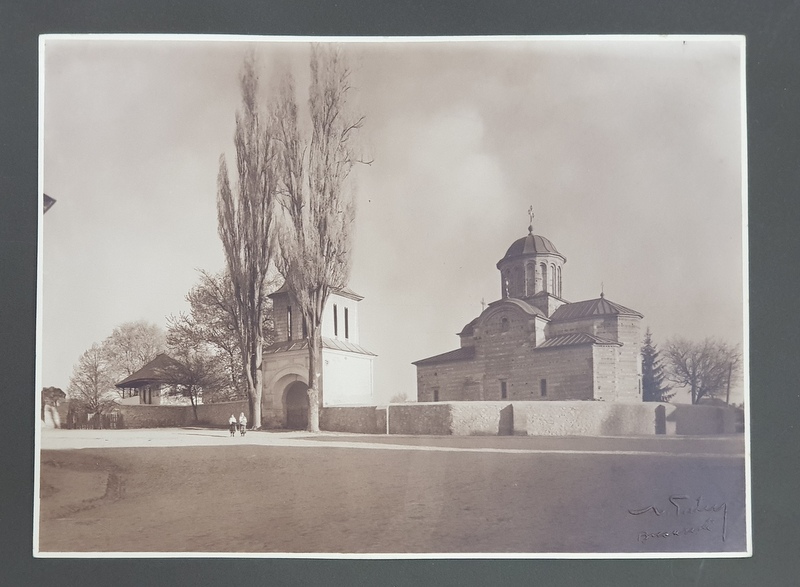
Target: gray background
773 52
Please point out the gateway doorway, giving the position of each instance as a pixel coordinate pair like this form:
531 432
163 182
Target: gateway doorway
296 402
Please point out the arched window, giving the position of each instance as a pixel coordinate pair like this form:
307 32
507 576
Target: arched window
506 282
335 321
552 277
530 279
288 323
545 284
504 324
559 281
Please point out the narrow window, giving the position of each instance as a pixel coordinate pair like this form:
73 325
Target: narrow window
504 325
436 394
346 324
543 267
288 323
558 293
335 320
305 328
503 390
543 387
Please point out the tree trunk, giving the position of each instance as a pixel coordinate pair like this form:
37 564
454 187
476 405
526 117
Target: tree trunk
194 404
256 384
314 392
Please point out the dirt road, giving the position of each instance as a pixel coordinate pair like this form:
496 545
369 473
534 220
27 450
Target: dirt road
201 491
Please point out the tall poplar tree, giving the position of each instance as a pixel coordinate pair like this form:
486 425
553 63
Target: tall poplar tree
317 199
245 215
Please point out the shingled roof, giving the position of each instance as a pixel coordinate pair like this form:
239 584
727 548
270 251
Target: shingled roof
162 369
462 354
588 308
576 339
327 343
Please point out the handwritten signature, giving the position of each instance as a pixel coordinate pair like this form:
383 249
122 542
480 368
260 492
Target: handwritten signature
684 505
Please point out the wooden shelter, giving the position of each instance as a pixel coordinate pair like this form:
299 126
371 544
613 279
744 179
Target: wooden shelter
147 383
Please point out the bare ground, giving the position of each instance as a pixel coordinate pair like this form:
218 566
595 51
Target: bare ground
262 498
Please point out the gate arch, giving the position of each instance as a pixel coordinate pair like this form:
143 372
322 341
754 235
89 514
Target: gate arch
295 406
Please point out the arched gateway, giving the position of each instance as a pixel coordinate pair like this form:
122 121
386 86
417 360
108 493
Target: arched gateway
295 405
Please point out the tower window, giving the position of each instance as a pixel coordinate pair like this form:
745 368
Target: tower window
346 324
503 389
288 323
543 387
504 325
543 267
436 394
335 321
558 293
305 328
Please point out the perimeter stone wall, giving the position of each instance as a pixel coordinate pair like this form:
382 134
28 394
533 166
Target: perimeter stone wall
162 416
534 418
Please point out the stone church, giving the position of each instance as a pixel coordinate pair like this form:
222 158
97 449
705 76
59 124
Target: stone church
346 370
532 344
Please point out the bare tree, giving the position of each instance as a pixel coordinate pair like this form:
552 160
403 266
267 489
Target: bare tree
91 385
130 346
245 215
195 374
706 367
317 200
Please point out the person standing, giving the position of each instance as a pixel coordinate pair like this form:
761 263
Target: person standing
232 424
242 423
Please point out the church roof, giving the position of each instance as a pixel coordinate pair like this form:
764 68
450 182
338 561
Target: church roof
162 369
469 329
463 354
344 292
574 340
588 308
327 343
531 244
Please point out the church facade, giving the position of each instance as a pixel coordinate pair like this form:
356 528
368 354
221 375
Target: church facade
346 370
532 344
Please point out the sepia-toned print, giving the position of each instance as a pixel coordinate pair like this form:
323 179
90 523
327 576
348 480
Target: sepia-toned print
413 297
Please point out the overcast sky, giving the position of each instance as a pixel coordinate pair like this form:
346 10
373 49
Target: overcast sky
628 151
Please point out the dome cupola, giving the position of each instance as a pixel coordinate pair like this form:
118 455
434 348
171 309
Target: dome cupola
532 265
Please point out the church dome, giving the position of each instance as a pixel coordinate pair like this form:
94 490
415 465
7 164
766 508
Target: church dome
532 244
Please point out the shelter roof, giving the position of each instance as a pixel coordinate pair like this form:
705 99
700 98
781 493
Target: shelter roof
162 369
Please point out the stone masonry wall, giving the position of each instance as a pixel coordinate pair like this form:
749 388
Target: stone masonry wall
359 419
567 418
149 416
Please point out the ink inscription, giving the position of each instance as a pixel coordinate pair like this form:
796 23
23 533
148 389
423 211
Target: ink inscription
686 510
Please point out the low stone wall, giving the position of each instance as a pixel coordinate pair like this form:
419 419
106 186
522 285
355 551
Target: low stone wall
420 418
539 418
217 414
689 419
149 416
359 419
590 419
481 418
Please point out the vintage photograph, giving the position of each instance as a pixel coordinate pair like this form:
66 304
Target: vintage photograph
405 297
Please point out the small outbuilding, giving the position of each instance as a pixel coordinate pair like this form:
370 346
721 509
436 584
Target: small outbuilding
146 385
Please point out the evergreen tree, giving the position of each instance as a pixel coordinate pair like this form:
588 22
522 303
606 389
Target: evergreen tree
653 376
